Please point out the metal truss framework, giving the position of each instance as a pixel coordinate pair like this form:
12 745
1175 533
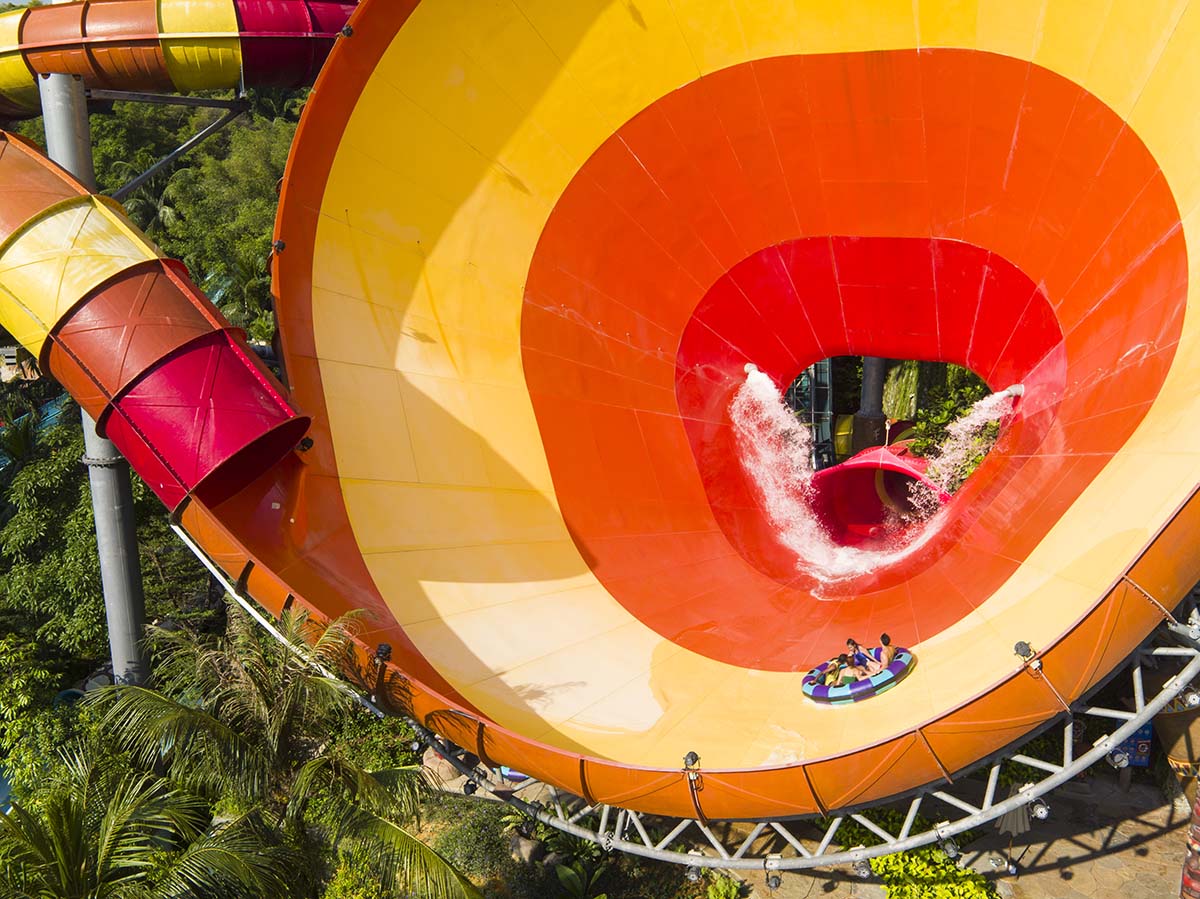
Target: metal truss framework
232 108
957 807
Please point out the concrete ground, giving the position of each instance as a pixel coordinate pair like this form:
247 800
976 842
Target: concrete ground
1100 842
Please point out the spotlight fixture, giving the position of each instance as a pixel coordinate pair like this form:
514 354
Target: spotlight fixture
1024 650
950 848
383 653
691 760
1118 758
693 873
470 787
1039 809
774 882
862 868
1191 698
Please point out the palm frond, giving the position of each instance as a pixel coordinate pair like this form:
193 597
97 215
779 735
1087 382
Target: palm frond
402 861
239 858
200 749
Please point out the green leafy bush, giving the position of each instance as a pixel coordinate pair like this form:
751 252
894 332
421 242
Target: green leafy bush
474 842
946 403
24 680
928 873
724 887
353 880
579 880
32 747
374 743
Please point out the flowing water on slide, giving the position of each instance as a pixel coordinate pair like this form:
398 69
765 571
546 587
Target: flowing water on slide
775 450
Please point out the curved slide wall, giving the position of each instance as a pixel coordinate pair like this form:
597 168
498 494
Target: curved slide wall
528 253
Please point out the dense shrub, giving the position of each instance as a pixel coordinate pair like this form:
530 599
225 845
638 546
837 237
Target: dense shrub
928 873
353 880
473 841
374 743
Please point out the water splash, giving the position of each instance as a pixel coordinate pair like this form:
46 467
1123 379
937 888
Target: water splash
969 439
775 450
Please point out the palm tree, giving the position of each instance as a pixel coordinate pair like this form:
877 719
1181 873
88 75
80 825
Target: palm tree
111 834
245 717
153 205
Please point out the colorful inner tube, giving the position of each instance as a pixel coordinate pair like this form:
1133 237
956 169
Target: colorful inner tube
815 688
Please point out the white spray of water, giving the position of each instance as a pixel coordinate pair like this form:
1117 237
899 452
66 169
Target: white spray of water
969 437
967 441
775 450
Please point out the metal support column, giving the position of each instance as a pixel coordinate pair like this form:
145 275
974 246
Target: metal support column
69 143
870 424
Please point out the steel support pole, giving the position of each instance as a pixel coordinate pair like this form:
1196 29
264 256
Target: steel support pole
870 424
69 143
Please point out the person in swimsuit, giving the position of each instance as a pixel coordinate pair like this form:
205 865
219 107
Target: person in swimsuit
842 671
862 659
887 652
850 672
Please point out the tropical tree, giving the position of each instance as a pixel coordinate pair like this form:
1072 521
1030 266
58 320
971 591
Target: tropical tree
153 205
108 833
244 719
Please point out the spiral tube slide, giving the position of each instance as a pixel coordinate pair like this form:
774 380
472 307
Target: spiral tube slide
169 45
528 255
166 378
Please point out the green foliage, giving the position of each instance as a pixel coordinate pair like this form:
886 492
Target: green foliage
374 743
850 833
573 849
631 877
724 887
946 403
109 831
25 682
900 391
520 881
846 372
49 570
928 873
30 746
579 880
243 716
222 212
474 842
133 136
18 432
925 873
353 879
